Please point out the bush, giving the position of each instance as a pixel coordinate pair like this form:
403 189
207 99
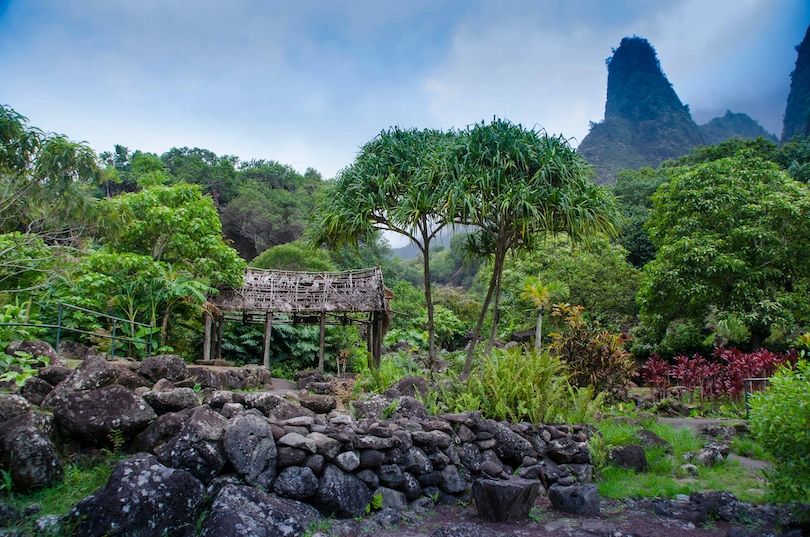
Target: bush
780 420
596 358
520 384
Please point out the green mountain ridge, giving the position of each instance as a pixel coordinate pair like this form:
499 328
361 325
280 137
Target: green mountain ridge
645 122
797 111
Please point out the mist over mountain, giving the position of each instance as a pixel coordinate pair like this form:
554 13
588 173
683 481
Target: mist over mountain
645 121
797 112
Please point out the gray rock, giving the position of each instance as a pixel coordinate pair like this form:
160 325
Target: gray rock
630 457
452 482
263 401
508 500
165 366
38 349
316 463
421 506
390 475
470 457
12 405
144 498
583 473
172 400
392 499
129 379
298 441
341 494
218 398
491 468
411 487
648 440
416 462
562 450
371 458
230 410
35 390
320 404
287 410
73 350
575 499
296 482
410 408
27 452
100 415
92 374
709 456
241 511
251 449
369 478
288 456
54 374
198 447
161 431
410 386
347 461
371 408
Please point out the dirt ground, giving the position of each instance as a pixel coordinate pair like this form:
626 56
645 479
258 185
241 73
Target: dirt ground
615 520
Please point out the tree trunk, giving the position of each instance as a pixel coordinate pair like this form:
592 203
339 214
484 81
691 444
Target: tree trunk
538 335
496 314
429 304
481 317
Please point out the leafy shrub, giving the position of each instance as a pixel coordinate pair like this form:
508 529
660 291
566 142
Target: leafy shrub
780 419
521 384
596 358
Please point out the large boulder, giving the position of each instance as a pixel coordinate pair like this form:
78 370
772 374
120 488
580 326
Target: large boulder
35 390
241 511
92 374
12 405
575 499
38 350
27 452
161 430
165 366
251 449
341 494
144 498
171 400
508 500
198 447
98 415
630 457
54 374
75 351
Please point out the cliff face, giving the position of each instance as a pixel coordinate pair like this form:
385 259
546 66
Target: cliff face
645 122
797 112
733 125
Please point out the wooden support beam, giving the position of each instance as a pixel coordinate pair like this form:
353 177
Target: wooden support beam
220 328
268 328
322 344
377 351
207 338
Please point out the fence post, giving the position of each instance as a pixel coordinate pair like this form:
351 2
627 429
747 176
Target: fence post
58 327
112 340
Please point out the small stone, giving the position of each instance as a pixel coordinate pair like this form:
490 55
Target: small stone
348 461
575 499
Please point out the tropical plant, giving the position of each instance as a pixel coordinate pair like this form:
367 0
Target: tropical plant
514 185
395 184
542 296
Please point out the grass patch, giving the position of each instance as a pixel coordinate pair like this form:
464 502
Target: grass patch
662 478
82 477
749 447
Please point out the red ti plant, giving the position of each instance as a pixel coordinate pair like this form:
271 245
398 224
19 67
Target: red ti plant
656 373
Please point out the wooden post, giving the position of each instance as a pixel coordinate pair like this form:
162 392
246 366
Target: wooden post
370 333
322 342
207 339
268 328
377 351
220 329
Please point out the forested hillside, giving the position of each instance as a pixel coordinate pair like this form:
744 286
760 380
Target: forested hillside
797 112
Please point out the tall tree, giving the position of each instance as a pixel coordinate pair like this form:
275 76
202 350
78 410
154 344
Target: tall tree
515 184
733 248
395 184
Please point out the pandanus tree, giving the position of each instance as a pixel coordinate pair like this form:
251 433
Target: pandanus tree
542 296
395 184
514 185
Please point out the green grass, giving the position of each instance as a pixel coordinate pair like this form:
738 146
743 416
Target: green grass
748 447
662 478
82 478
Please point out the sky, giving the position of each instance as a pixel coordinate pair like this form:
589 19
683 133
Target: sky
307 83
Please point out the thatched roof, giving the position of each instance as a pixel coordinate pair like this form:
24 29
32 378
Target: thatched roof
306 292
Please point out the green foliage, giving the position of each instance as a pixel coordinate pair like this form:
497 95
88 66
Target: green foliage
794 158
173 224
297 255
595 357
216 175
521 384
733 242
19 366
390 409
733 125
392 369
780 419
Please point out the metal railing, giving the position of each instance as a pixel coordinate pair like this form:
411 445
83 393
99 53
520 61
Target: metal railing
113 337
747 384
